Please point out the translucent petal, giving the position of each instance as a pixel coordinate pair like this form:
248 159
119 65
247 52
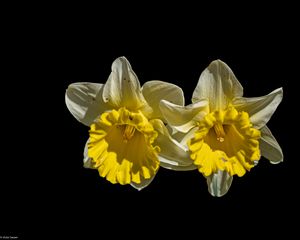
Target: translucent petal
171 152
155 91
269 147
169 165
87 161
144 183
183 118
218 84
219 183
122 88
84 101
260 109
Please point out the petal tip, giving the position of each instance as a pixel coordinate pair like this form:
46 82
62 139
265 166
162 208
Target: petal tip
218 62
276 162
121 61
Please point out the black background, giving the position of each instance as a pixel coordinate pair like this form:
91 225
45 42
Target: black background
45 189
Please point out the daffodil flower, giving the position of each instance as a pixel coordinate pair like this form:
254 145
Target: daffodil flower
128 140
225 133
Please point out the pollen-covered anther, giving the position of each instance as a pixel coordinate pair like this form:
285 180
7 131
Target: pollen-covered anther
218 127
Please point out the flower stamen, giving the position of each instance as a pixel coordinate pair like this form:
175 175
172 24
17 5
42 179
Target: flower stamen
128 133
218 127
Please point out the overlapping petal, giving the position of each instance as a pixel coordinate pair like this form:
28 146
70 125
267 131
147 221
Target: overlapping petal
171 152
84 101
155 91
183 118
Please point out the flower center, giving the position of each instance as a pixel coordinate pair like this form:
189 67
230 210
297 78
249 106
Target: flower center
128 133
225 140
121 146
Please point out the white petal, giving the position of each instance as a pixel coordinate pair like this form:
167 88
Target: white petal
169 165
260 109
173 131
269 147
218 84
144 183
183 139
155 91
219 183
84 101
171 152
122 88
183 118
87 162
